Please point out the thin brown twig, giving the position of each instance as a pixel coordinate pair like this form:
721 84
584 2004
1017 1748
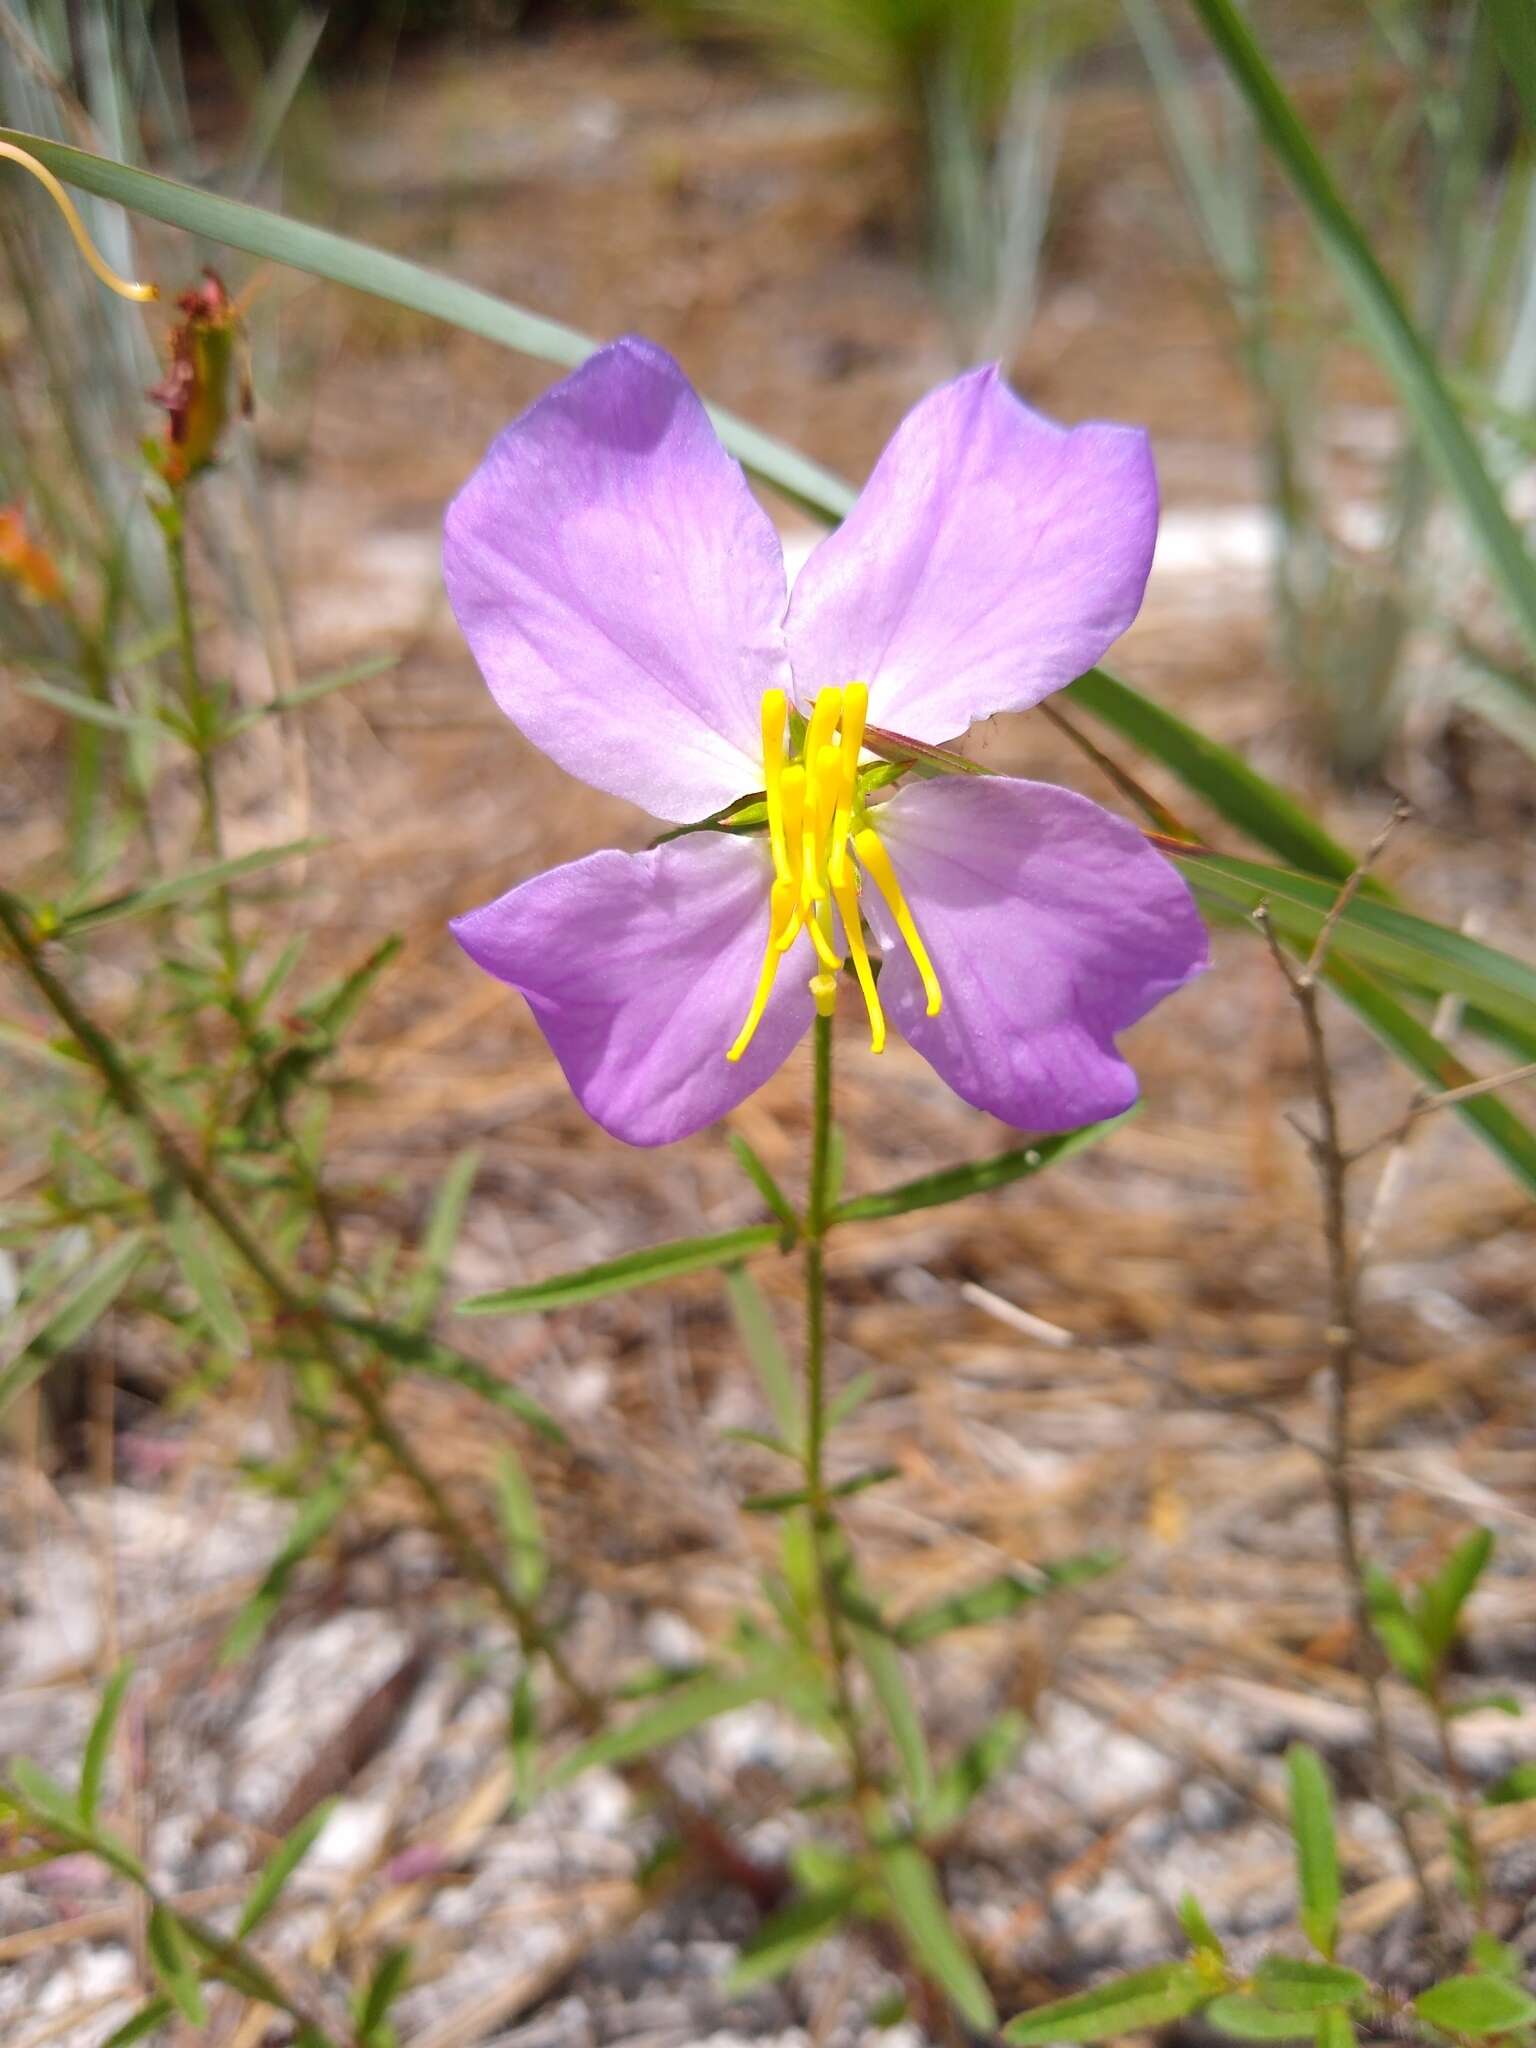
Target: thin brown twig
1332 1161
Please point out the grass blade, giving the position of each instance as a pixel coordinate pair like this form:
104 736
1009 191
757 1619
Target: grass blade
1395 340
344 261
280 1866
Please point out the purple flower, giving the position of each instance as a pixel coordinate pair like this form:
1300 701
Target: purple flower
624 595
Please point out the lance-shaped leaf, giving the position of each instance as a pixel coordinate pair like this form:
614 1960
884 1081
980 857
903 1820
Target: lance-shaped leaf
1293 1984
917 1906
635 1269
1476 2006
98 1743
88 1297
1317 1850
785 1936
995 1599
280 1866
1147 1998
976 1177
1250 2019
177 888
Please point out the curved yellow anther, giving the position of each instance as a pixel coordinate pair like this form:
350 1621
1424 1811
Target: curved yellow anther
782 910
792 791
847 895
877 864
775 712
125 289
855 711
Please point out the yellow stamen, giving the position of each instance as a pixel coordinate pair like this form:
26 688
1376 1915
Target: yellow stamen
877 863
141 293
855 711
775 711
792 789
847 894
823 724
782 908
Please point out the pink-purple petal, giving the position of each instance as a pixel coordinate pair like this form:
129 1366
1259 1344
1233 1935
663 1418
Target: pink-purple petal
992 557
640 970
620 587
1052 926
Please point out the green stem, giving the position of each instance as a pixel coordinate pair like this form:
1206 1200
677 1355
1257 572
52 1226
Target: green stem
827 1541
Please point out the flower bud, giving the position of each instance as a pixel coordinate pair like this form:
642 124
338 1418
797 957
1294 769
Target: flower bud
196 390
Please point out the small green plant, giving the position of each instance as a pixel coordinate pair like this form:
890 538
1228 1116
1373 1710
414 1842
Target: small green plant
1292 1998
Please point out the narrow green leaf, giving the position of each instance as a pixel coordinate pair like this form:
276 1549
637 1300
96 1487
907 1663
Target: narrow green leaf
1317 1853
1515 1787
91 710
1293 1985
89 1296
424 1353
1514 27
1147 1998
1396 1629
1414 950
1441 1599
1333 2028
962 1781
315 1518
171 1957
888 1682
1198 1928
1507 1136
754 1323
98 1743
617 1276
48 1799
347 262
439 1238
849 1398
685 1708
311 692
384 1987
785 1936
995 1599
200 1268
1250 2019
280 1866
918 1908
1236 792
764 1182
1396 342
1476 2006
521 1529
141 2024
977 1177
177 888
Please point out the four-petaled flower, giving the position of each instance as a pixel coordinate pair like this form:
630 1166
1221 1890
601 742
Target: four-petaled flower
624 595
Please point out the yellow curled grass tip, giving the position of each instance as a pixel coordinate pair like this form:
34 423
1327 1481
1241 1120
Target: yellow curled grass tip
141 294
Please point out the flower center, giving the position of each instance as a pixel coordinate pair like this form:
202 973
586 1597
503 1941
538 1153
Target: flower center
817 828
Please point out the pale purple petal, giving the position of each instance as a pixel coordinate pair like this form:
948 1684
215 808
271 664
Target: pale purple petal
640 969
1052 926
620 587
991 558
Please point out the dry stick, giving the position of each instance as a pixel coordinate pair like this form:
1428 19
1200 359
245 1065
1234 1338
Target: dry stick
703 1834
1332 1162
